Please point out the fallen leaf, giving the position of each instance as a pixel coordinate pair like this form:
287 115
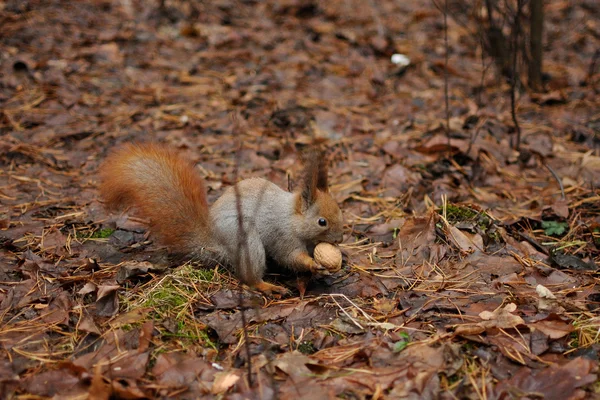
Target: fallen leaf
569 261
553 326
53 241
100 388
58 311
89 287
467 243
224 381
132 268
385 305
502 317
107 302
415 237
178 370
557 382
87 324
561 208
62 381
543 292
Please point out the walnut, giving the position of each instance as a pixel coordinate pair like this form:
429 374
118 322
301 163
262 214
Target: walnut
328 256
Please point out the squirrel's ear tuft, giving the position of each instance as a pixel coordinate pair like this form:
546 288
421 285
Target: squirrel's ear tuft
309 182
322 172
315 174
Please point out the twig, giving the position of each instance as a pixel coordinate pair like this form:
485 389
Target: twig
250 221
476 134
243 249
484 67
446 75
536 28
355 322
513 82
562 188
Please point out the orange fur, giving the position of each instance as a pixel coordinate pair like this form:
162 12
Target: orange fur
163 188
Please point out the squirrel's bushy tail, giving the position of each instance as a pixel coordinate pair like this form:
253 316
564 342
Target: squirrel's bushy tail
163 188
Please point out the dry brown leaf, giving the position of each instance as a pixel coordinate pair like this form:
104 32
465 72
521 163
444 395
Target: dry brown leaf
502 317
416 236
467 243
557 382
553 326
224 381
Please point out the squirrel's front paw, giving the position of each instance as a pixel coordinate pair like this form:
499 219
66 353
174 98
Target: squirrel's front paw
318 269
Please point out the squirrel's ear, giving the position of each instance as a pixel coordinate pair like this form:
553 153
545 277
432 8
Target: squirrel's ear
309 184
322 172
315 175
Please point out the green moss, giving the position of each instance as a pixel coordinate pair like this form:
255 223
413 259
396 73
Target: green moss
129 327
461 213
452 379
455 213
188 332
171 300
201 274
306 347
102 233
495 236
484 221
176 290
166 299
574 342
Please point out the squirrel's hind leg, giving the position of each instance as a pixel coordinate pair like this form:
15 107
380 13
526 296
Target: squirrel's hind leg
251 264
269 288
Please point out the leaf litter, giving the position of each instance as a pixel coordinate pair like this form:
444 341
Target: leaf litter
470 269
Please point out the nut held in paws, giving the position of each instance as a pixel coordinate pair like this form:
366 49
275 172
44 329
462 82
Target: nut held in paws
328 256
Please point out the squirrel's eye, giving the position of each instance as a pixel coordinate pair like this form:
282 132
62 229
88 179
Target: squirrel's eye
322 222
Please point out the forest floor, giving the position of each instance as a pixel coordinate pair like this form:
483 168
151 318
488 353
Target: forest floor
470 269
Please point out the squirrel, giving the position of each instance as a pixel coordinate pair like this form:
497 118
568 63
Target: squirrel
252 220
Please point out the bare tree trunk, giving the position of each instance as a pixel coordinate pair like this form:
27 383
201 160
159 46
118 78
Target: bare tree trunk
535 41
497 44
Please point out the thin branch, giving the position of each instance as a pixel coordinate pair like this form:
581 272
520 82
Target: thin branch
490 12
562 188
514 75
536 29
482 44
484 68
446 98
447 102
241 250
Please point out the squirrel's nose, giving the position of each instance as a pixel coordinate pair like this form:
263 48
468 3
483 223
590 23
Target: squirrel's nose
340 238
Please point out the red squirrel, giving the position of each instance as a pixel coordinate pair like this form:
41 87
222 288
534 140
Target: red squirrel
167 190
